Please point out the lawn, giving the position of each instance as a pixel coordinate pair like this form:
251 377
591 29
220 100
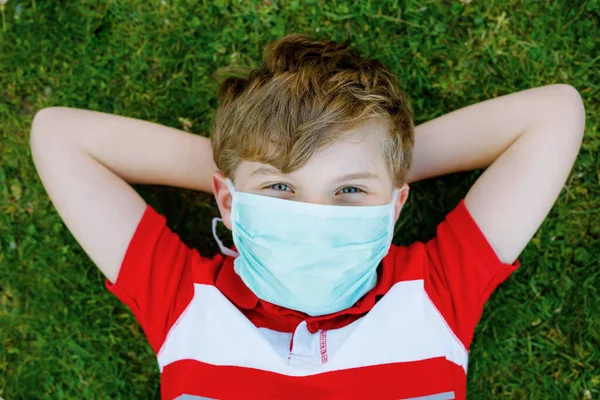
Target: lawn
63 335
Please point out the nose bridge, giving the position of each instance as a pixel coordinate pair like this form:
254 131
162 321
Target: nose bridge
315 196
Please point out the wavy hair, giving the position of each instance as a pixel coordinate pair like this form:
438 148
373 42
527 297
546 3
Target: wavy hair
304 96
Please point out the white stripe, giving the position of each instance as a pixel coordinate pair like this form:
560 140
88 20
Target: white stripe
439 396
403 326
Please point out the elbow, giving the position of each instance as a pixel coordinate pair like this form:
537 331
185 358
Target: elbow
572 109
47 132
565 116
44 124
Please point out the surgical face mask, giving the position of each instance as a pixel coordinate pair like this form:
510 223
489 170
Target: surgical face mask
318 259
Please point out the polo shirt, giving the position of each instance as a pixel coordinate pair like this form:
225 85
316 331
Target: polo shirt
408 338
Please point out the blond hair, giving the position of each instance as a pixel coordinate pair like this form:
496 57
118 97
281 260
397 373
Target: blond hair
304 97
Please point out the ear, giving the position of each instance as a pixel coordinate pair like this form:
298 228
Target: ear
222 196
401 200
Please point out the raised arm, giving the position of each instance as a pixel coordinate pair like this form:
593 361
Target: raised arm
529 140
86 161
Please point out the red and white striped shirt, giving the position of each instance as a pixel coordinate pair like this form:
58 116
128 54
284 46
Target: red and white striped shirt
408 338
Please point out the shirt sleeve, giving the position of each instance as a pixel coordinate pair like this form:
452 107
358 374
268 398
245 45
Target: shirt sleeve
462 271
155 280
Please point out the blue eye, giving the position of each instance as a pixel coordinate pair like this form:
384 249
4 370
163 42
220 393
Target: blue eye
351 189
280 187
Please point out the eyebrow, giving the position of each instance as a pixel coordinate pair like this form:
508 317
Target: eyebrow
266 171
349 177
356 176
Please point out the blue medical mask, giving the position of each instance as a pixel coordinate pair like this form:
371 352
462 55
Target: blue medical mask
314 258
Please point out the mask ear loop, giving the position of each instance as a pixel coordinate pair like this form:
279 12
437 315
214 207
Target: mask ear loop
394 196
225 250
231 188
393 213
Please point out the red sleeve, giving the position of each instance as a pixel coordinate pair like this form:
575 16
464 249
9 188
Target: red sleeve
155 280
462 271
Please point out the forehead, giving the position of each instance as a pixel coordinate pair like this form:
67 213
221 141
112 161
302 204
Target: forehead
361 147
356 150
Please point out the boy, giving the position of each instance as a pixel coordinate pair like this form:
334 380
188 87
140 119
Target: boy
313 154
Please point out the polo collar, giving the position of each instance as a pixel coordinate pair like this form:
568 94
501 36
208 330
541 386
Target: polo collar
232 286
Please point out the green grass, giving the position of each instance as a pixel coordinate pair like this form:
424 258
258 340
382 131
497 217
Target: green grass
62 335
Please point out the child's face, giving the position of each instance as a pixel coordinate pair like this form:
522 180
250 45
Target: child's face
350 172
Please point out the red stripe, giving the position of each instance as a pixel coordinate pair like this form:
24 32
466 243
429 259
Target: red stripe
394 381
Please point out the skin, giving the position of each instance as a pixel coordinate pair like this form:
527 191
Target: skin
527 141
325 179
